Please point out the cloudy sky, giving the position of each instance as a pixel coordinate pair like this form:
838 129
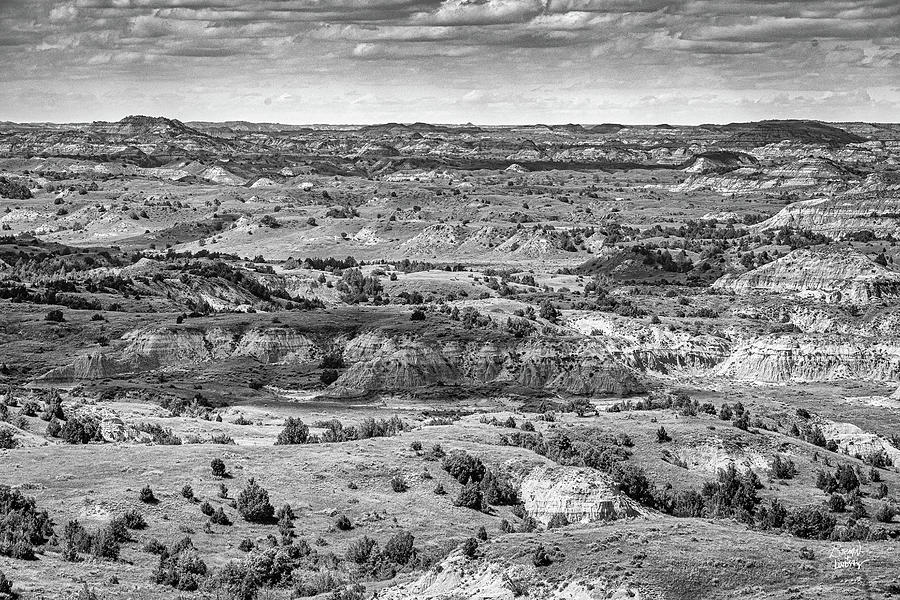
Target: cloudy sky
450 61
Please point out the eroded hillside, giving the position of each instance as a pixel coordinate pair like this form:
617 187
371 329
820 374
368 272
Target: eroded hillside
415 361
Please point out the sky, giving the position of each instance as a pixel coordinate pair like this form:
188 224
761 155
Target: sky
450 61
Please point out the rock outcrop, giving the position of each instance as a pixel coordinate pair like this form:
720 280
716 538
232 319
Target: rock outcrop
781 358
153 348
841 216
582 495
382 363
833 274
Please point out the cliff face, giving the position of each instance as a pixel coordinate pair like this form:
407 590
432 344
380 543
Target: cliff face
577 367
152 348
613 359
834 275
842 215
780 358
582 495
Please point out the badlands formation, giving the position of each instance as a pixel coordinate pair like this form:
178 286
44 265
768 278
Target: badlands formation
408 361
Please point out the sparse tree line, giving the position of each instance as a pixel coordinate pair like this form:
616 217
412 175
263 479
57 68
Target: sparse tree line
295 431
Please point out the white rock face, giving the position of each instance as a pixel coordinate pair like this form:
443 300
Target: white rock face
459 578
834 275
840 216
582 495
781 358
152 348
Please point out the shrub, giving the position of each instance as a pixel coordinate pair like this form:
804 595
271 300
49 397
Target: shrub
558 520
55 316
7 440
218 467
75 540
80 431
742 421
181 567
836 503
146 495
253 503
105 543
22 525
470 496
783 468
733 493
463 467
481 534
846 478
361 550
343 523
810 522
295 431
470 548
6 591
154 546
826 482
416 446
328 376
219 517
321 582
187 492
398 483
885 513
133 519
540 558
662 436
417 315
399 548
439 489
207 509
54 429
246 545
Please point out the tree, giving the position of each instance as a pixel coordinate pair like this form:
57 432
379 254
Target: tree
662 436
725 412
55 316
846 478
253 503
328 376
295 431
548 311
218 467
470 496
7 440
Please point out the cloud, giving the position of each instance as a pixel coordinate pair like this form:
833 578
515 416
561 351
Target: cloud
449 56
